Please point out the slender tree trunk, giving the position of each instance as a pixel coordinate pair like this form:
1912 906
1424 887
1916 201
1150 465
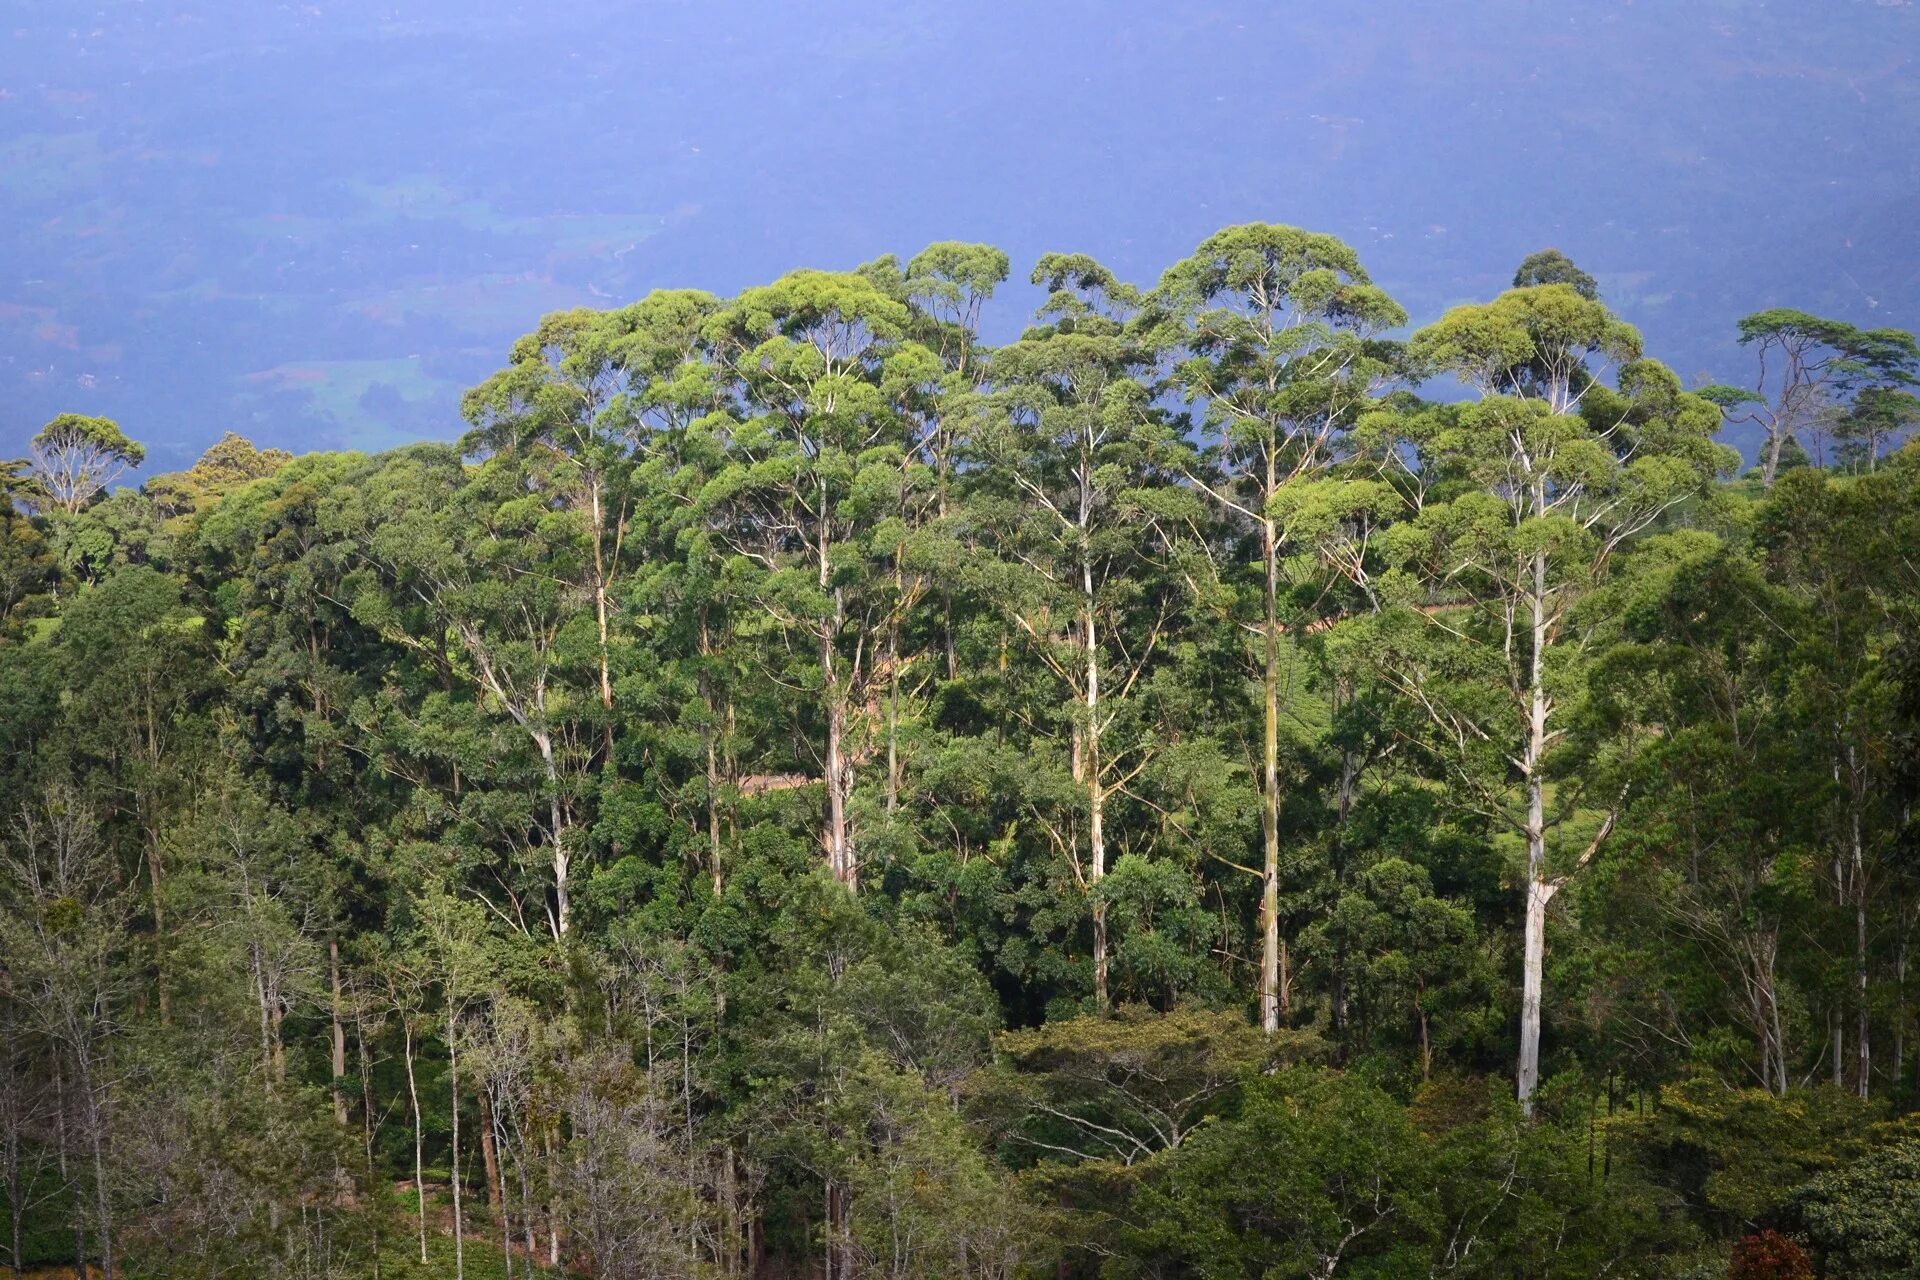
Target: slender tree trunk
1271 987
562 859
1773 1042
453 1178
15 1120
1862 1038
893 715
549 1141
600 613
839 773
266 1018
16 1197
713 758
419 1140
1843 898
63 1142
155 878
489 1150
366 1132
713 820
496 1153
1539 891
339 1033
96 1142
1096 791
839 854
1900 1015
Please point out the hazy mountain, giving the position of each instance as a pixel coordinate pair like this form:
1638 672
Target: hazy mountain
316 223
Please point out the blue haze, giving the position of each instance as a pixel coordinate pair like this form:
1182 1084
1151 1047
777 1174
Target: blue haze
316 223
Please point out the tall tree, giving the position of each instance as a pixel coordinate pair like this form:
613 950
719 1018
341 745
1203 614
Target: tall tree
1543 480
1806 364
822 363
1278 321
1074 507
75 458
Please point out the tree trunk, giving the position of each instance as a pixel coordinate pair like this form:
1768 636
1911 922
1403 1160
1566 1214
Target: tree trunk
711 734
490 1150
839 854
600 614
1271 996
1096 792
155 877
1539 894
339 1033
453 1177
1900 1015
366 1131
1863 1058
96 1141
419 1158
556 816
1539 891
839 771
1776 441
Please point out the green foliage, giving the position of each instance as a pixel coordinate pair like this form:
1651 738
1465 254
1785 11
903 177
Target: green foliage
798 788
1865 1215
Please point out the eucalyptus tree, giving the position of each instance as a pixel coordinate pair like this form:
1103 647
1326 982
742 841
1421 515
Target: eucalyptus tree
1843 549
558 410
1806 364
76 457
1080 517
823 363
28 567
136 668
1537 485
1279 323
674 408
1551 266
480 578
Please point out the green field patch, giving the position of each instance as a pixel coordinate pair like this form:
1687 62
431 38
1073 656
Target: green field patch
367 405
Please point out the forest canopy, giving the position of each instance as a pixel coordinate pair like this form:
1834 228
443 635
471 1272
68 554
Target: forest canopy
1218 785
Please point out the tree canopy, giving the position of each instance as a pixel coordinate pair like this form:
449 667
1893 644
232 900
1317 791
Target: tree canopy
1224 783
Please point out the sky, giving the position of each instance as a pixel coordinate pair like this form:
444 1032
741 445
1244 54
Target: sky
316 223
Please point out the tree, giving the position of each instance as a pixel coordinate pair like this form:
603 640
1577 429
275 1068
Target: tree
75 458
1278 321
1123 1088
1544 480
27 565
230 462
1863 429
1550 266
65 933
1840 547
1076 509
822 362
1865 1216
557 412
474 562
1315 1174
1805 362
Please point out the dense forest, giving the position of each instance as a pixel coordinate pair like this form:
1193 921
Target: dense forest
1219 785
